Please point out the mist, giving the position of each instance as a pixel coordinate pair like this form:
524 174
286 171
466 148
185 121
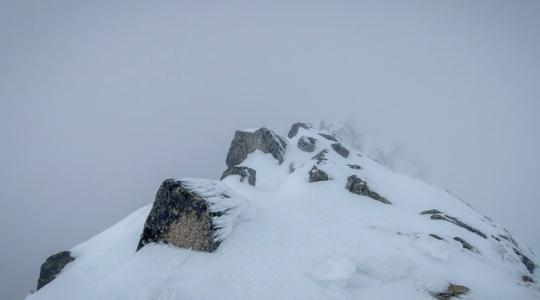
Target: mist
100 102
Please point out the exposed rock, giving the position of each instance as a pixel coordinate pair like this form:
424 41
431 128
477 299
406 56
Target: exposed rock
244 173
316 174
340 149
436 236
356 167
294 129
179 217
453 290
52 267
430 212
328 137
306 144
466 245
356 185
261 139
321 156
527 279
437 215
292 168
527 262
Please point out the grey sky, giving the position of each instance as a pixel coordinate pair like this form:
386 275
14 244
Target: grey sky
100 101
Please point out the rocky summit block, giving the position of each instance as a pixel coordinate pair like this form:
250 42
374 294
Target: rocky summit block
306 144
294 129
52 267
262 139
194 214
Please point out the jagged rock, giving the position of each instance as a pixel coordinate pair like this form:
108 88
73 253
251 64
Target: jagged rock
261 139
243 172
527 279
292 168
466 245
321 156
453 290
316 174
328 137
52 267
437 215
527 262
356 167
356 185
306 144
340 149
436 236
179 217
294 129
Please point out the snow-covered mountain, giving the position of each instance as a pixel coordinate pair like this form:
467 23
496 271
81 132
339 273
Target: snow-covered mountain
298 217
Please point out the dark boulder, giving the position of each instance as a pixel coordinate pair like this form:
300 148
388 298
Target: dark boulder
329 137
355 167
261 139
52 267
527 262
436 236
357 186
294 129
243 172
316 174
306 144
338 147
181 218
453 290
430 212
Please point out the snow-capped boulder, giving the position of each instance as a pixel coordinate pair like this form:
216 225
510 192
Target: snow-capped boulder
306 144
192 214
243 172
52 267
262 139
294 129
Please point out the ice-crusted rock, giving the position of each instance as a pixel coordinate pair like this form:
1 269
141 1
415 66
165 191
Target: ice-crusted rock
466 245
262 139
306 144
52 267
294 129
321 156
340 149
356 185
316 174
243 172
329 137
437 215
192 214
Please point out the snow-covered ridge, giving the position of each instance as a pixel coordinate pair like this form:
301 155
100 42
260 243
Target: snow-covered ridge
304 216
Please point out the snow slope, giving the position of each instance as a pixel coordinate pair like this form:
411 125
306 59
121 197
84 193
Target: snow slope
295 239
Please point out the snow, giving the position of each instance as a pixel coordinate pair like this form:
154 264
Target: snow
287 238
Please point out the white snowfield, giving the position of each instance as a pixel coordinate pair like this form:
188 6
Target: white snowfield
292 239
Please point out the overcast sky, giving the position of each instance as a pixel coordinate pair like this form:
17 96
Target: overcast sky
101 101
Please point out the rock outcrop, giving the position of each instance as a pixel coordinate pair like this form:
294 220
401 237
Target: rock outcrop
329 137
261 139
338 147
294 129
466 245
243 172
181 218
52 267
306 144
437 215
357 186
321 156
316 174
453 290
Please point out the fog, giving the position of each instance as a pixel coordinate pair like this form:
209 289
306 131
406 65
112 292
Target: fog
101 101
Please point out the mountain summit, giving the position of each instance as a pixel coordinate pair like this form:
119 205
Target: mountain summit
301 216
